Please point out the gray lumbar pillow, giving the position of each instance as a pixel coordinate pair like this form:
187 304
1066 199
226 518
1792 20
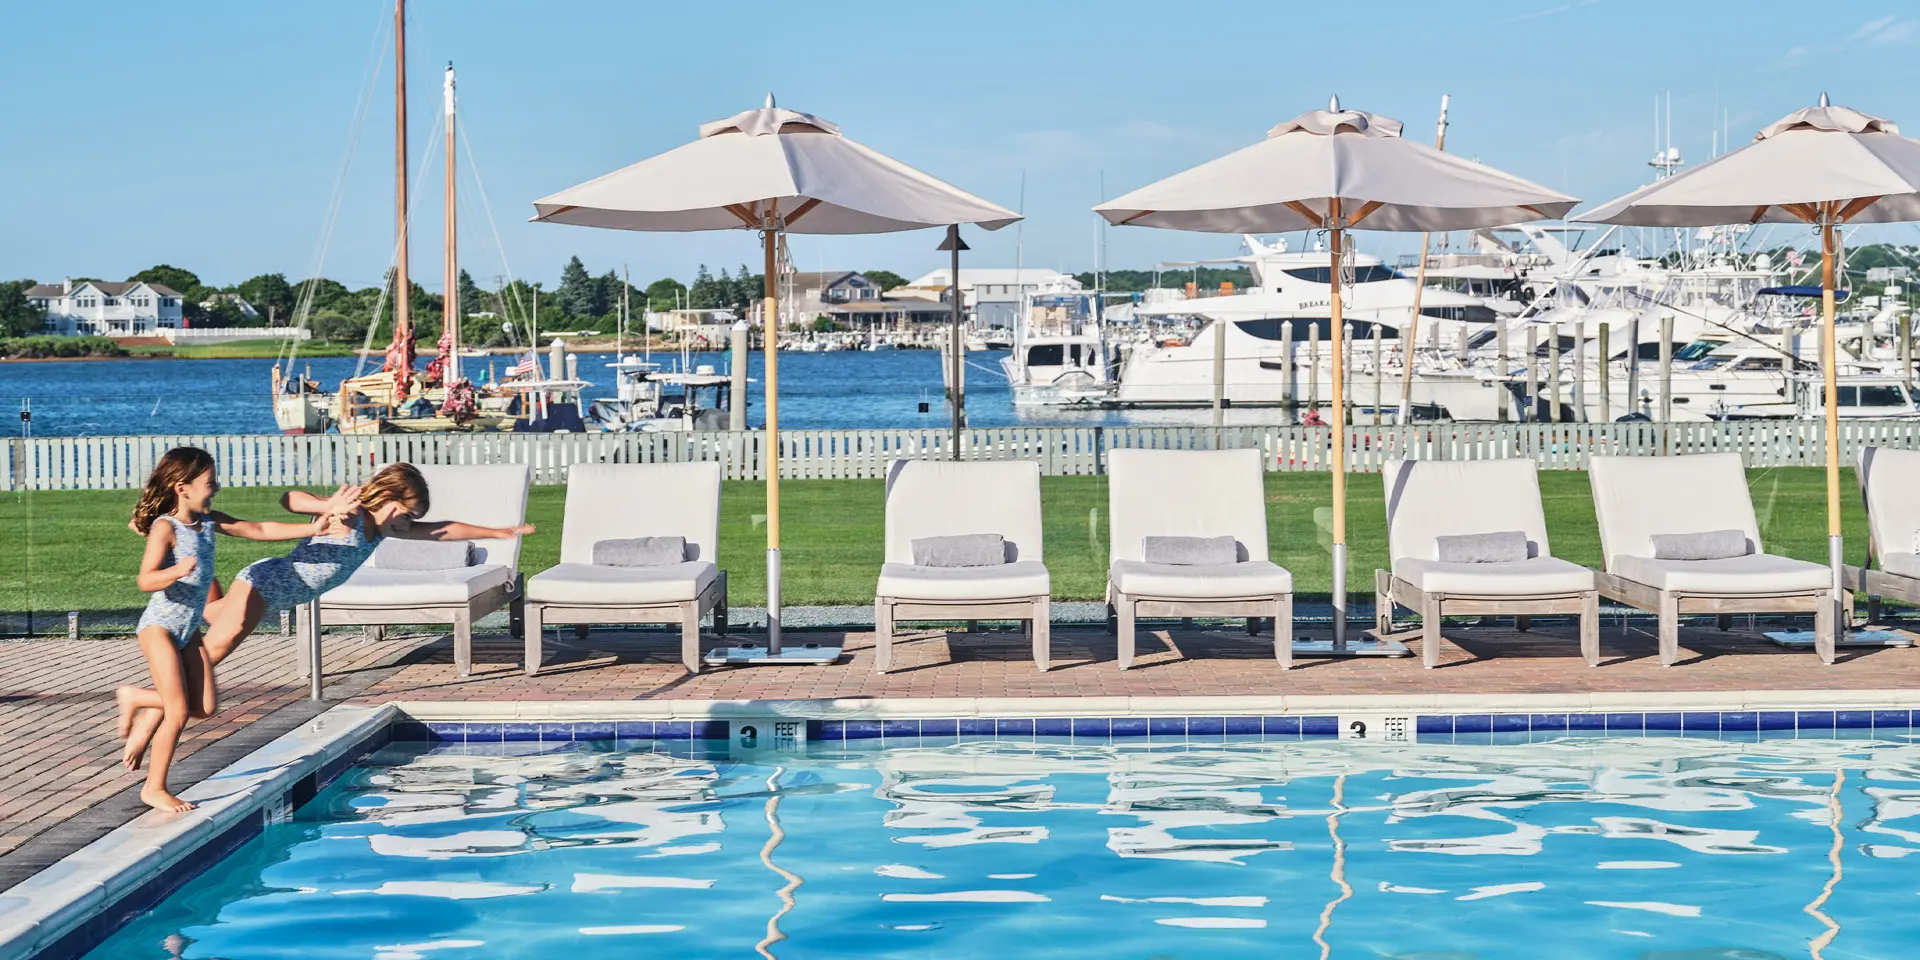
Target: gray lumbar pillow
1706 545
1505 546
398 554
1190 551
964 550
640 552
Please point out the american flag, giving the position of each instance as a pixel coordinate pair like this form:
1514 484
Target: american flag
529 365
1796 258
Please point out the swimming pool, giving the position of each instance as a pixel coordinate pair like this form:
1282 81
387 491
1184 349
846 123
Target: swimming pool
1541 844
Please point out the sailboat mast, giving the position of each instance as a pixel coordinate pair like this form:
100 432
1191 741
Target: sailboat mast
450 300
402 285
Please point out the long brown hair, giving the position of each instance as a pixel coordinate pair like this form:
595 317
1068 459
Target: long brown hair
397 483
179 465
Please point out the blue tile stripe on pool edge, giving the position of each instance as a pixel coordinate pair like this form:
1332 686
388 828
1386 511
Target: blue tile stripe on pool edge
1188 729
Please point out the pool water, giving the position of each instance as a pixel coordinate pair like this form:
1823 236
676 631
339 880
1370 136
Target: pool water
1654 848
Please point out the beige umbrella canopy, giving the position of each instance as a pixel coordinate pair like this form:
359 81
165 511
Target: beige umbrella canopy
1826 166
1337 170
771 170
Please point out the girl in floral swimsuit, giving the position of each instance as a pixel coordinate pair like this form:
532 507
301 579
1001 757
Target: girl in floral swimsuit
176 516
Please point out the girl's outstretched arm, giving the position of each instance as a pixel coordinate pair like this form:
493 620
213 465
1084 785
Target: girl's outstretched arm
153 577
313 505
454 530
269 529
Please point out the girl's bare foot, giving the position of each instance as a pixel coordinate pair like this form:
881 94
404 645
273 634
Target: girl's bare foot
159 799
139 735
124 697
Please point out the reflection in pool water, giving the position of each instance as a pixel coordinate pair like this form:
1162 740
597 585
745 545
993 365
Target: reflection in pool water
1662 849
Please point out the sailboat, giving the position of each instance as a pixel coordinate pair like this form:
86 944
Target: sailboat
397 398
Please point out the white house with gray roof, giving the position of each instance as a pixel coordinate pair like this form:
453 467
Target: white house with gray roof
105 309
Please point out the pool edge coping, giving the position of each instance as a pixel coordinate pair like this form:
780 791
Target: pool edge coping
61 899
923 708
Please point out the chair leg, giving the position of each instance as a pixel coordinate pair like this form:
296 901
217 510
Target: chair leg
1523 623
1113 620
690 635
720 624
1590 628
517 607
1124 634
580 631
1382 602
304 637
1043 632
882 635
1823 630
1430 631
378 633
1669 629
1724 622
463 642
1873 609
1283 630
532 626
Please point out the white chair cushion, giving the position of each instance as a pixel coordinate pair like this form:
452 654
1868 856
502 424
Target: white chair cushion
1637 497
375 587
1904 564
1253 578
583 584
1889 478
1532 577
1008 581
1430 499
1185 493
1753 574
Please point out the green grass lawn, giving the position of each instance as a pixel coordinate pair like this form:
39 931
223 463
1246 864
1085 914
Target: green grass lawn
80 555
240 350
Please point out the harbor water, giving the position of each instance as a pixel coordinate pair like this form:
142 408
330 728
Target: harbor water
836 390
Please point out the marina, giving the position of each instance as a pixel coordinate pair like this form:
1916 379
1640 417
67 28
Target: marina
845 560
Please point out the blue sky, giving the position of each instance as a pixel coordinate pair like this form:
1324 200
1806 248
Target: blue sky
209 133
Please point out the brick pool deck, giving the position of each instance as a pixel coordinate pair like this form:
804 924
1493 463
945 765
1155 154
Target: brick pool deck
61 784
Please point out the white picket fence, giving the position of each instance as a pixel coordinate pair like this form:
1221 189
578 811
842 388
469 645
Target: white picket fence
119 463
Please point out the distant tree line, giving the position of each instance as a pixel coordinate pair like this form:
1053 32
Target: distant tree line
1135 281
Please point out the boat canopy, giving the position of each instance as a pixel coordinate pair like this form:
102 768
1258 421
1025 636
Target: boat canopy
1839 296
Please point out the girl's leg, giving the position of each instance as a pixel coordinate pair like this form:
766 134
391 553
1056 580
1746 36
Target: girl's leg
203 688
239 612
169 681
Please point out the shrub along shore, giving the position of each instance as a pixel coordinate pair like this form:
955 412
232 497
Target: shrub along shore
72 550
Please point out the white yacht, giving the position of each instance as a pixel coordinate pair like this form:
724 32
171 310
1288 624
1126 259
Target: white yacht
1270 333
1059 353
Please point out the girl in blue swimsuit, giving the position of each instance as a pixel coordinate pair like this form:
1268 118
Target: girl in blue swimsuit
176 517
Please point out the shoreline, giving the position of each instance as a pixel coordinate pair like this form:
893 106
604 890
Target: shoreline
590 346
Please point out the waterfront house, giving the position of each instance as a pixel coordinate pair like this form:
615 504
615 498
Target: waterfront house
106 309
992 293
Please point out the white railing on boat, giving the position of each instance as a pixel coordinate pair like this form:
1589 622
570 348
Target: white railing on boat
123 462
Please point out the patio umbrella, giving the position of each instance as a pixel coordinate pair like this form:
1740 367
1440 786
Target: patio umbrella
1825 166
1336 170
774 171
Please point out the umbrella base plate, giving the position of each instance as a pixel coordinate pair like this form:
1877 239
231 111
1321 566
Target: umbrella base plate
1803 639
791 655
1354 647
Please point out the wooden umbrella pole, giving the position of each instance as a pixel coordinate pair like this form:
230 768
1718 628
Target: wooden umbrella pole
1338 242
771 346
1829 346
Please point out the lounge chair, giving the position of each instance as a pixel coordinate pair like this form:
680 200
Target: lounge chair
1431 501
494 495
620 501
1638 499
928 499
1890 485
1192 494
